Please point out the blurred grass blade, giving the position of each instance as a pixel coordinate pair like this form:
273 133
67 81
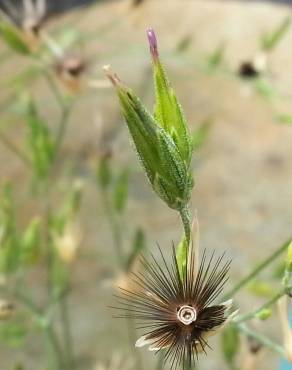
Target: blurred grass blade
40 142
104 173
9 241
13 38
284 118
121 191
31 242
13 334
215 59
270 40
138 246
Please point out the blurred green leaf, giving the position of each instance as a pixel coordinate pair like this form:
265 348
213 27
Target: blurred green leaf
68 37
230 343
261 289
59 276
104 173
31 242
265 89
13 334
12 37
184 43
201 134
138 246
9 241
215 59
40 142
121 190
284 118
30 74
270 40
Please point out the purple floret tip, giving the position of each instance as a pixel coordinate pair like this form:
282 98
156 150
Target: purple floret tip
153 43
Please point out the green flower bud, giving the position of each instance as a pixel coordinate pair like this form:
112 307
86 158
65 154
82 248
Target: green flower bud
162 141
168 111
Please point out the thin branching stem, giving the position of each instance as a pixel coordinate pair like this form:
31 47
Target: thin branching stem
14 150
254 313
262 339
259 268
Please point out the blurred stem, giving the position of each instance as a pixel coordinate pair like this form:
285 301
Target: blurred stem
253 313
14 150
261 266
68 341
54 353
66 110
186 220
115 228
262 339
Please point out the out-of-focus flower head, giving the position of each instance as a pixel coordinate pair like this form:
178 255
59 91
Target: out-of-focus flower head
29 18
68 243
6 309
70 69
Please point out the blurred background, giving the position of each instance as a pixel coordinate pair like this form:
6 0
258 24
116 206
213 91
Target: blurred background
230 64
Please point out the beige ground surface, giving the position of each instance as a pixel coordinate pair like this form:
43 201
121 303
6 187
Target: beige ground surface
243 187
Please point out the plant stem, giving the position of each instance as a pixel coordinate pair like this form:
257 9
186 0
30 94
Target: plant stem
261 266
115 227
13 149
68 341
66 110
186 221
54 353
253 313
262 339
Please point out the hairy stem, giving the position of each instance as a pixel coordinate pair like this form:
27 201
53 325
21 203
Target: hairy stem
186 221
261 266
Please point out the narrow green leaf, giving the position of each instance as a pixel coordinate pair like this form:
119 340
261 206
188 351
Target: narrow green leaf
31 242
12 37
121 189
138 246
181 256
13 334
271 40
284 118
104 173
215 59
40 142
